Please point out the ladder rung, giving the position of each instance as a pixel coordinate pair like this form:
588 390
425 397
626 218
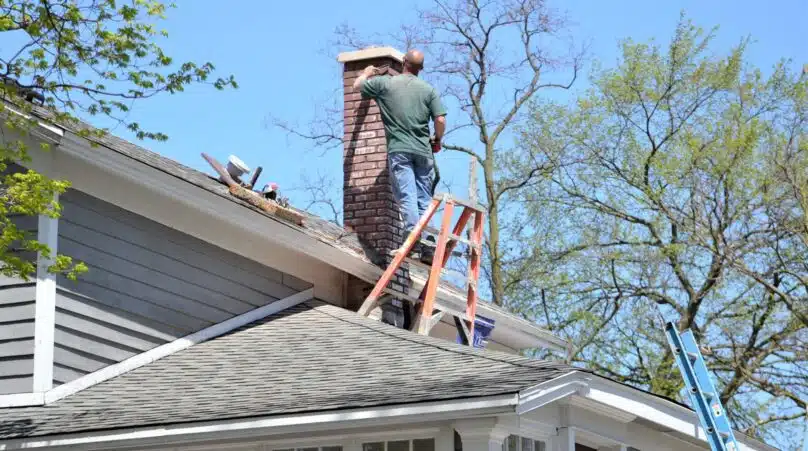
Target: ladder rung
452 237
464 203
693 356
394 252
709 396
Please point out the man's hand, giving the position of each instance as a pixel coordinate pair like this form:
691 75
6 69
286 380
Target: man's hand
369 71
435 143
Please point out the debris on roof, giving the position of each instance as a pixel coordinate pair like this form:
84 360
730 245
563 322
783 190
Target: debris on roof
266 200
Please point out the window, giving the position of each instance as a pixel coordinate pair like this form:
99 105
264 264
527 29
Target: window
312 448
424 444
516 443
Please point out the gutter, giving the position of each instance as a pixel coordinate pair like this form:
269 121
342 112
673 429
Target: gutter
282 424
672 419
507 323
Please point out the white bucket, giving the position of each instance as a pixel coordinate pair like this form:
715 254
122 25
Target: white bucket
235 167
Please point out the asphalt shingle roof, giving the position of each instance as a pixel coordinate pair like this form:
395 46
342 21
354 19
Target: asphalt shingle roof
330 357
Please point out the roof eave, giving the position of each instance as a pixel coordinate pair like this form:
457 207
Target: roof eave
246 428
287 235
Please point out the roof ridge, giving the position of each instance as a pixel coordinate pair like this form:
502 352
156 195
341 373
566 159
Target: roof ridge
422 340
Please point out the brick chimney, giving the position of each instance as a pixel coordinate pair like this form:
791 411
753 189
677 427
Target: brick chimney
368 205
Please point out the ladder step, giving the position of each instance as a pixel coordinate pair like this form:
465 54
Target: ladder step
461 202
452 237
394 252
693 356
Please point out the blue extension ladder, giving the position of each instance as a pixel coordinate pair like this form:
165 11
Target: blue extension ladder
702 391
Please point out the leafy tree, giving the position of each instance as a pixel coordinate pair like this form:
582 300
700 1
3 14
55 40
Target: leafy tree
65 59
679 187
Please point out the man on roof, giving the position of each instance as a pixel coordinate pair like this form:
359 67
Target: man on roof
407 103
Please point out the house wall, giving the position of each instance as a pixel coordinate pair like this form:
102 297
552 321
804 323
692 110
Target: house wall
17 299
147 284
16 335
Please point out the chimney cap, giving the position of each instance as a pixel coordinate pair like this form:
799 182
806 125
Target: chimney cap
371 53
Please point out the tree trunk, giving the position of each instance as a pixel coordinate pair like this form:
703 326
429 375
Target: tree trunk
497 284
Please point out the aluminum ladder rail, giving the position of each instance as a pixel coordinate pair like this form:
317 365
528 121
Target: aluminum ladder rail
703 394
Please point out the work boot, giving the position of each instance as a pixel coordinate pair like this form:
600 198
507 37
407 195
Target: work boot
428 250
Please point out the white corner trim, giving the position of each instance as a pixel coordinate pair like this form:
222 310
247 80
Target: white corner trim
22 400
370 53
45 310
574 383
243 429
167 349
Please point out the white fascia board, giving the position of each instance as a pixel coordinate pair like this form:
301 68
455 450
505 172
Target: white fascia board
180 344
675 417
276 425
50 132
22 400
299 239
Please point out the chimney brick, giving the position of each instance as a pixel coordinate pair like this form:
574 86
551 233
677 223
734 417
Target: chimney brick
368 200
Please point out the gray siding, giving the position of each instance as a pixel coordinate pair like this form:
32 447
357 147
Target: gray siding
17 324
148 284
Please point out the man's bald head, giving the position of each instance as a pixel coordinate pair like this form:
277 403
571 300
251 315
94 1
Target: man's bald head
413 61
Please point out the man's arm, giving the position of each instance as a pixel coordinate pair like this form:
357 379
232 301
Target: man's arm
438 112
440 128
367 73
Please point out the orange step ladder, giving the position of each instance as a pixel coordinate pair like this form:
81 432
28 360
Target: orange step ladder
427 316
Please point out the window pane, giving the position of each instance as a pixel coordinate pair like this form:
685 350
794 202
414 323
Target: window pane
375 446
307 449
423 444
513 443
527 444
290 449
332 448
400 445
539 446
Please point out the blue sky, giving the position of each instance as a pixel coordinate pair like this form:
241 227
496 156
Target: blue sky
275 50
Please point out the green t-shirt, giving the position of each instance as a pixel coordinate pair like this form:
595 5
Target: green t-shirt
406 103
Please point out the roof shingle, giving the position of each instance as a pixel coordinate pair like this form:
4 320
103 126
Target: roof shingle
330 357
